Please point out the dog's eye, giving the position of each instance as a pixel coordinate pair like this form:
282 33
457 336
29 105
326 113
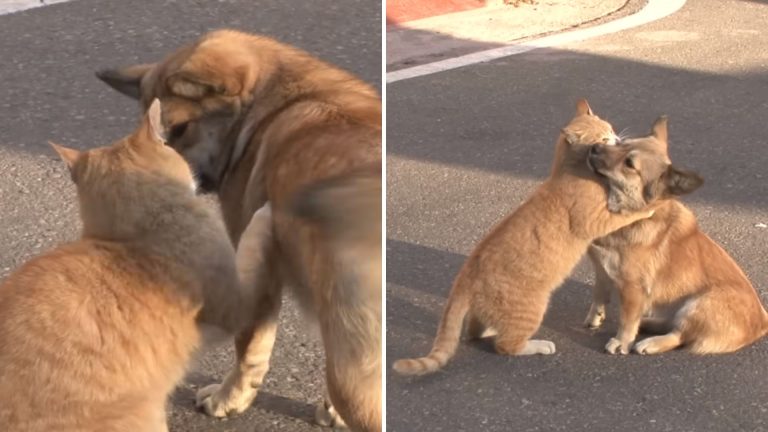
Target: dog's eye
177 131
629 164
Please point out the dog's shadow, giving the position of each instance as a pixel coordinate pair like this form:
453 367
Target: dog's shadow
184 399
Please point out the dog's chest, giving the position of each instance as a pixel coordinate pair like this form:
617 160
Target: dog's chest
609 259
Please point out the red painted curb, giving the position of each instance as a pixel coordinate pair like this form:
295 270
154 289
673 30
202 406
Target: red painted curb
400 11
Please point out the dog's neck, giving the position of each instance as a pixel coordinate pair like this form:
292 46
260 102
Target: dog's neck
296 77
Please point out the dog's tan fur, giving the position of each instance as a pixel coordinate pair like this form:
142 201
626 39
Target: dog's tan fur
506 282
96 333
261 121
665 266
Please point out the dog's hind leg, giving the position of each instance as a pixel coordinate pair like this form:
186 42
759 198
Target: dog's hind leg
659 344
351 329
253 345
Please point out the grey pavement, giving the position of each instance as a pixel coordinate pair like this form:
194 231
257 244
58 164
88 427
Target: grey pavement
48 92
465 147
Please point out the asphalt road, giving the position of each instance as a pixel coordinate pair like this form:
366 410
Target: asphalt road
465 147
48 92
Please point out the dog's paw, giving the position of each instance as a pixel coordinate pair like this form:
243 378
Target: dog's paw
215 401
614 346
646 346
326 415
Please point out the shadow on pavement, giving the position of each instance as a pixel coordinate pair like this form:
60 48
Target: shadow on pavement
184 400
507 115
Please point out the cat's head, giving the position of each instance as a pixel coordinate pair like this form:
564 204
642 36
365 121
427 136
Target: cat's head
584 129
117 185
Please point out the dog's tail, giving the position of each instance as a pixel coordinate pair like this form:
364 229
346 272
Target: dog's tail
448 335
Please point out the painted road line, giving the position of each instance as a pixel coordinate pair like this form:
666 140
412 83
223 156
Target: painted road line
11 6
654 10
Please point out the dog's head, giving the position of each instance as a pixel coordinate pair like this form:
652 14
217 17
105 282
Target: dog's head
584 129
204 88
639 172
119 186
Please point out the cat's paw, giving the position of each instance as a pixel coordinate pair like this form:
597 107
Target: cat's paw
594 320
218 400
614 346
538 346
326 415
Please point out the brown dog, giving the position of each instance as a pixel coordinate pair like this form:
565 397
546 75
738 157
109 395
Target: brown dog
665 266
260 120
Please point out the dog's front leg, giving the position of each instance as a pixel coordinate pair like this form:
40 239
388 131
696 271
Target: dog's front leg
253 347
633 301
256 267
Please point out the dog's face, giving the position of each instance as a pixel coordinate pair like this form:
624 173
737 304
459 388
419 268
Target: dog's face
203 89
639 172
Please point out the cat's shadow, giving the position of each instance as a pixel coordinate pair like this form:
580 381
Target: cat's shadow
430 270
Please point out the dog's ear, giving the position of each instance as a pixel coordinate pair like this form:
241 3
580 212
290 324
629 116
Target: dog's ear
680 182
582 107
659 130
193 84
68 155
126 80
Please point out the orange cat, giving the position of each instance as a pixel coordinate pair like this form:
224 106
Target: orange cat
95 334
506 282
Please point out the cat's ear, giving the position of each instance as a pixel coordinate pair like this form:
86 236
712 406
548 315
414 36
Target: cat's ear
152 131
70 156
570 137
583 108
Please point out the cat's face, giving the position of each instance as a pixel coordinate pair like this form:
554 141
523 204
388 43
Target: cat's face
586 128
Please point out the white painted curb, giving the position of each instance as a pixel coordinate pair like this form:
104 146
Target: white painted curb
654 10
11 6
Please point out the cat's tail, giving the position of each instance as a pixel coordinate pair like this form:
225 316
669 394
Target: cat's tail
447 339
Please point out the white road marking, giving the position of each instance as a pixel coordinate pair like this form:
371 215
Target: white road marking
654 10
11 6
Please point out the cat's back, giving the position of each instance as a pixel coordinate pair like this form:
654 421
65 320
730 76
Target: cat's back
528 237
90 324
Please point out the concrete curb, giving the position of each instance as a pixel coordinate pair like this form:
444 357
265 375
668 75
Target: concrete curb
654 10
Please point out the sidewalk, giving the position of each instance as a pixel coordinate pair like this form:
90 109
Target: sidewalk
435 38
